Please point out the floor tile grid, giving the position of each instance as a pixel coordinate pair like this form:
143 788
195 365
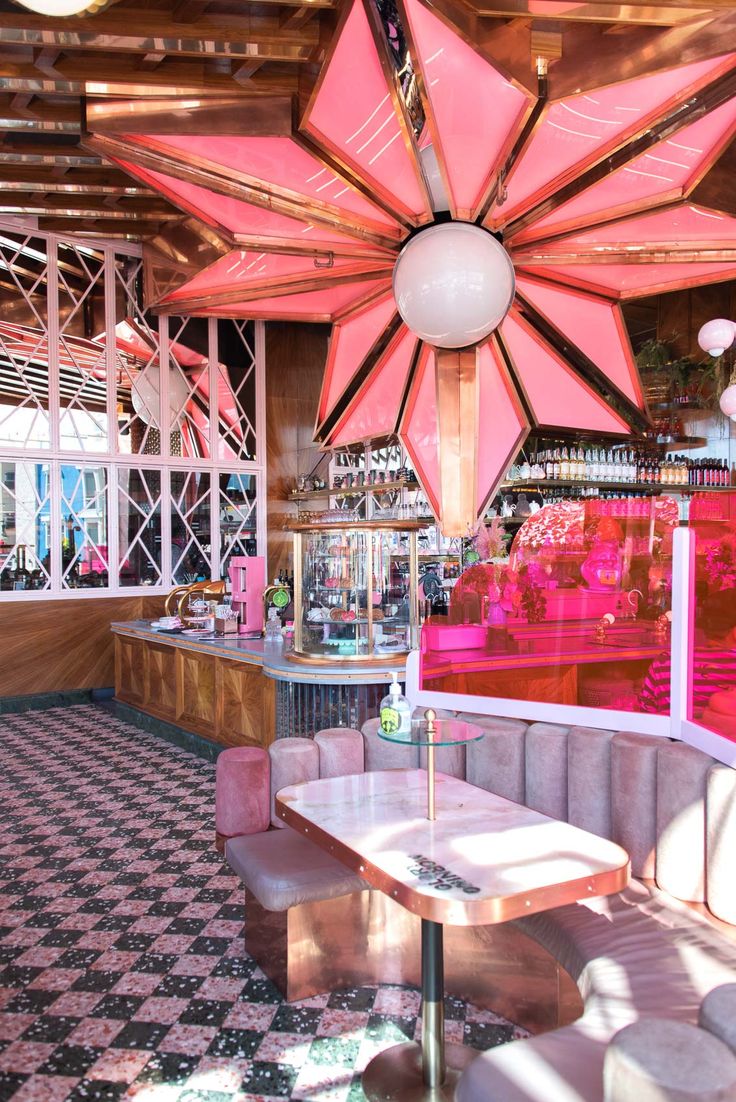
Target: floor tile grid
123 973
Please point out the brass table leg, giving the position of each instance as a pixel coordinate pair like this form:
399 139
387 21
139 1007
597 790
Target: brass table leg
426 1073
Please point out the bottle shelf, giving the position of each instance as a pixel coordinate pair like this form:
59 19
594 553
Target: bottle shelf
652 487
353 491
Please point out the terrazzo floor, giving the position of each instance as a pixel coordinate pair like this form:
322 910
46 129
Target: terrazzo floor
122 969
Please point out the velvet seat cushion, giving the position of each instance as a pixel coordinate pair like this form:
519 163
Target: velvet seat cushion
635 954
242 791
282 869
656 1060
341 751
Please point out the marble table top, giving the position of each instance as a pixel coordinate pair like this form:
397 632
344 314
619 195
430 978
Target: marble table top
483 860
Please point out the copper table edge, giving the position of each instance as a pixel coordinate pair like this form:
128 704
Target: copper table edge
481 912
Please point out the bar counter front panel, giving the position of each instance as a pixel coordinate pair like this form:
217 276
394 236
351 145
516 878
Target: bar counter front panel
241 692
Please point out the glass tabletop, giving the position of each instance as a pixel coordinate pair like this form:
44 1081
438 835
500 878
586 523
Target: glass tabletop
447 732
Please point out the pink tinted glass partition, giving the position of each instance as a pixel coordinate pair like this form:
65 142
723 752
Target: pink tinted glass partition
556 394
276 161
712 662
475 108
579 129
351 340
235 215
376 409
594 325
667 169
576 615
361 123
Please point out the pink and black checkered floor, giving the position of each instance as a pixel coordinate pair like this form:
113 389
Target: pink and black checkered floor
123 972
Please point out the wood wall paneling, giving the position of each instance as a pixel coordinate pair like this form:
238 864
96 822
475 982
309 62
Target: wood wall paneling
48 646
160 696
295 361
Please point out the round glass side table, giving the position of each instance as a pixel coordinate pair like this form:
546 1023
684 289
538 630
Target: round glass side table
432 732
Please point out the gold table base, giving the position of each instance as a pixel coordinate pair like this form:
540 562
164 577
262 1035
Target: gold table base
396 1074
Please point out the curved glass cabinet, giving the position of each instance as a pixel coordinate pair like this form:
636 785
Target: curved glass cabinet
355 590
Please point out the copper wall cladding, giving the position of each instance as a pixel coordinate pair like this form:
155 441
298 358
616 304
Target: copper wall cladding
367 938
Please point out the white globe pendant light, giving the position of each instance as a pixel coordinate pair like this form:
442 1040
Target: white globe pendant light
727 401
61 8
453 284
716 336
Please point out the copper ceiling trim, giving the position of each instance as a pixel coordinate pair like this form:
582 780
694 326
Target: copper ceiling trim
274 288
595 380
523 412
458 400
631 14
317 141
639 52
176 254
712 95
504 217
362 301
266 115
382 347
246 190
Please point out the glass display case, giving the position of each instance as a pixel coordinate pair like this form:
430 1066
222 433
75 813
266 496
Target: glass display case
355 590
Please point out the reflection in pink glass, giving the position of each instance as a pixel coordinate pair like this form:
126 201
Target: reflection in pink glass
374 412
595 326
578 129
713 653
476 109
418 432
350 342
361 122
557 396
632 280
665 171
278 161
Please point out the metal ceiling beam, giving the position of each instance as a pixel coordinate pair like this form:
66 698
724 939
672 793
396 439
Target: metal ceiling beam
151 31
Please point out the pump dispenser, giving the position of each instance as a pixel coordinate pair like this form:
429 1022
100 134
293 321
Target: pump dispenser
395 711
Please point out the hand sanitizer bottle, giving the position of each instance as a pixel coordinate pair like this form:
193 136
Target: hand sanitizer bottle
395 711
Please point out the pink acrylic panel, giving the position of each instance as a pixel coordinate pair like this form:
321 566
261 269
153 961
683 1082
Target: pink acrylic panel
684 222
558 397
629 280
233 214
418 431
277 161
594 326
376 409
350 343
250 267
305 305
580 129
476 109
357 117
499 407
667 169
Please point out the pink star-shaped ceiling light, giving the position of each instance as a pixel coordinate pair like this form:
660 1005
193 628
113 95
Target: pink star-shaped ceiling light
471 247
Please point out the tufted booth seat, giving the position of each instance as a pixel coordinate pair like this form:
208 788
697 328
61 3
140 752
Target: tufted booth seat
646 952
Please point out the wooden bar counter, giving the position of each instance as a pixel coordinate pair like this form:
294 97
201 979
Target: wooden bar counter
241 692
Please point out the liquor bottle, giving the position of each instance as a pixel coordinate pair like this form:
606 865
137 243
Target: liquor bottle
549 466
618 473
565 465
556 464
525 470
